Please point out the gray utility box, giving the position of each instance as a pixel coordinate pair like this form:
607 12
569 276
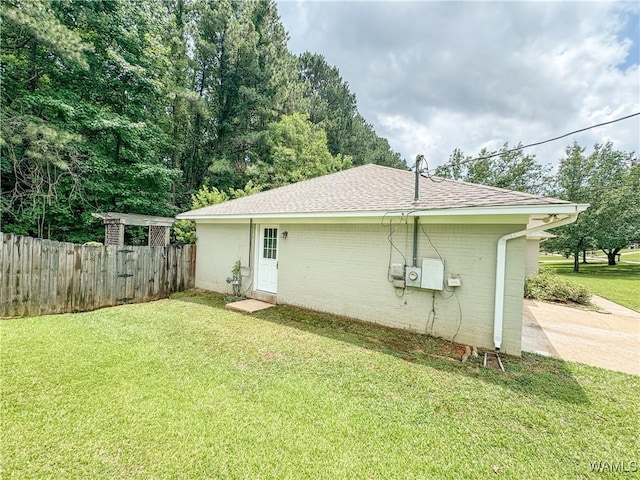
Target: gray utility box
429 276
396 270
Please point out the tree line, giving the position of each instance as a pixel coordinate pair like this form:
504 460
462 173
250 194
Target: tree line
158 106
137 106
606 178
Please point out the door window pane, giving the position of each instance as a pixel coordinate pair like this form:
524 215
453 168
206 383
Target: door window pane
270 243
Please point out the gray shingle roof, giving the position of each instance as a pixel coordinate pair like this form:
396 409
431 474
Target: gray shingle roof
370 188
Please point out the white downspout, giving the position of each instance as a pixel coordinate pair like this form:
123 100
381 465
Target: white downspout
501 261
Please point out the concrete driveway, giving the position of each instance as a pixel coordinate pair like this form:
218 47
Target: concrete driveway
609 339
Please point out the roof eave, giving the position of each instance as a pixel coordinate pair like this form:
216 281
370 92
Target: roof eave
542 209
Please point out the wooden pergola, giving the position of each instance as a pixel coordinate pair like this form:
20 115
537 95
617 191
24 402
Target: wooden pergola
114 224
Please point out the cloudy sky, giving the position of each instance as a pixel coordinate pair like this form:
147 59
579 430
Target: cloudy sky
435 76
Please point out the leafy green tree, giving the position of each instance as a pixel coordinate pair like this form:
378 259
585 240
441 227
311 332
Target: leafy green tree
188 114
513 170
365 146
40 158
249 189
607 179
127 123
332 106
297 151
248 78
34 25
615 195
329 101
134 106
185 230
83 113
573 180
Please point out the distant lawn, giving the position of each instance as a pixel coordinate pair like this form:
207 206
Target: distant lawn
633 256
626 255
551 257
619 283
184 388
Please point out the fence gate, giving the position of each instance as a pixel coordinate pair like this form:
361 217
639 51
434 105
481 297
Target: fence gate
125 262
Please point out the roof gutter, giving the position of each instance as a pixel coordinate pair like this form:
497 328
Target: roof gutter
542 209
501 261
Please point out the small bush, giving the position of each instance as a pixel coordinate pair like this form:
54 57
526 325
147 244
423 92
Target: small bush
552 287
93 244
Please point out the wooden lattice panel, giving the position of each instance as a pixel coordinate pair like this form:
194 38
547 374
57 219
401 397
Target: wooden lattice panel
158 236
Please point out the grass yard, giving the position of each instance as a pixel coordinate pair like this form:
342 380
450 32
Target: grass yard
619 283
184 389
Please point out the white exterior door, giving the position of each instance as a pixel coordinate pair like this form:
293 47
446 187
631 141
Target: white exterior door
267 271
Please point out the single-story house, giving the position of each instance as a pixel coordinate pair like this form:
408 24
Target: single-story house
383 245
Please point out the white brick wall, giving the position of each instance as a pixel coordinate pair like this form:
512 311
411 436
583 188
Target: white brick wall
219 247
532 257
342 269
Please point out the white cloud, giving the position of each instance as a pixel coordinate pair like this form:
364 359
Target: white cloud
415 137
434 76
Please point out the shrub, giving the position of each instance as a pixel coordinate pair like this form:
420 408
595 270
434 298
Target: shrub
93 244
552 287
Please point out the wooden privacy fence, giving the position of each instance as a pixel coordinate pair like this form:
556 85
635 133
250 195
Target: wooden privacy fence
42 276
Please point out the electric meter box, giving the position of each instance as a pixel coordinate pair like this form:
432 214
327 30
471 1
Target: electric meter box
412 276
432 277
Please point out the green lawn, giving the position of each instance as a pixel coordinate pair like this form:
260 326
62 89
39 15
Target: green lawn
619 283
184 388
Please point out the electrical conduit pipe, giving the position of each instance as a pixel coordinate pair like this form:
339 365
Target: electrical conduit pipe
501 261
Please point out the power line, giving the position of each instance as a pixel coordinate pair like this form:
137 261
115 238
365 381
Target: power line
522 147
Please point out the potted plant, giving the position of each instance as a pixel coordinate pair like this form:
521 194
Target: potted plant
236 278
